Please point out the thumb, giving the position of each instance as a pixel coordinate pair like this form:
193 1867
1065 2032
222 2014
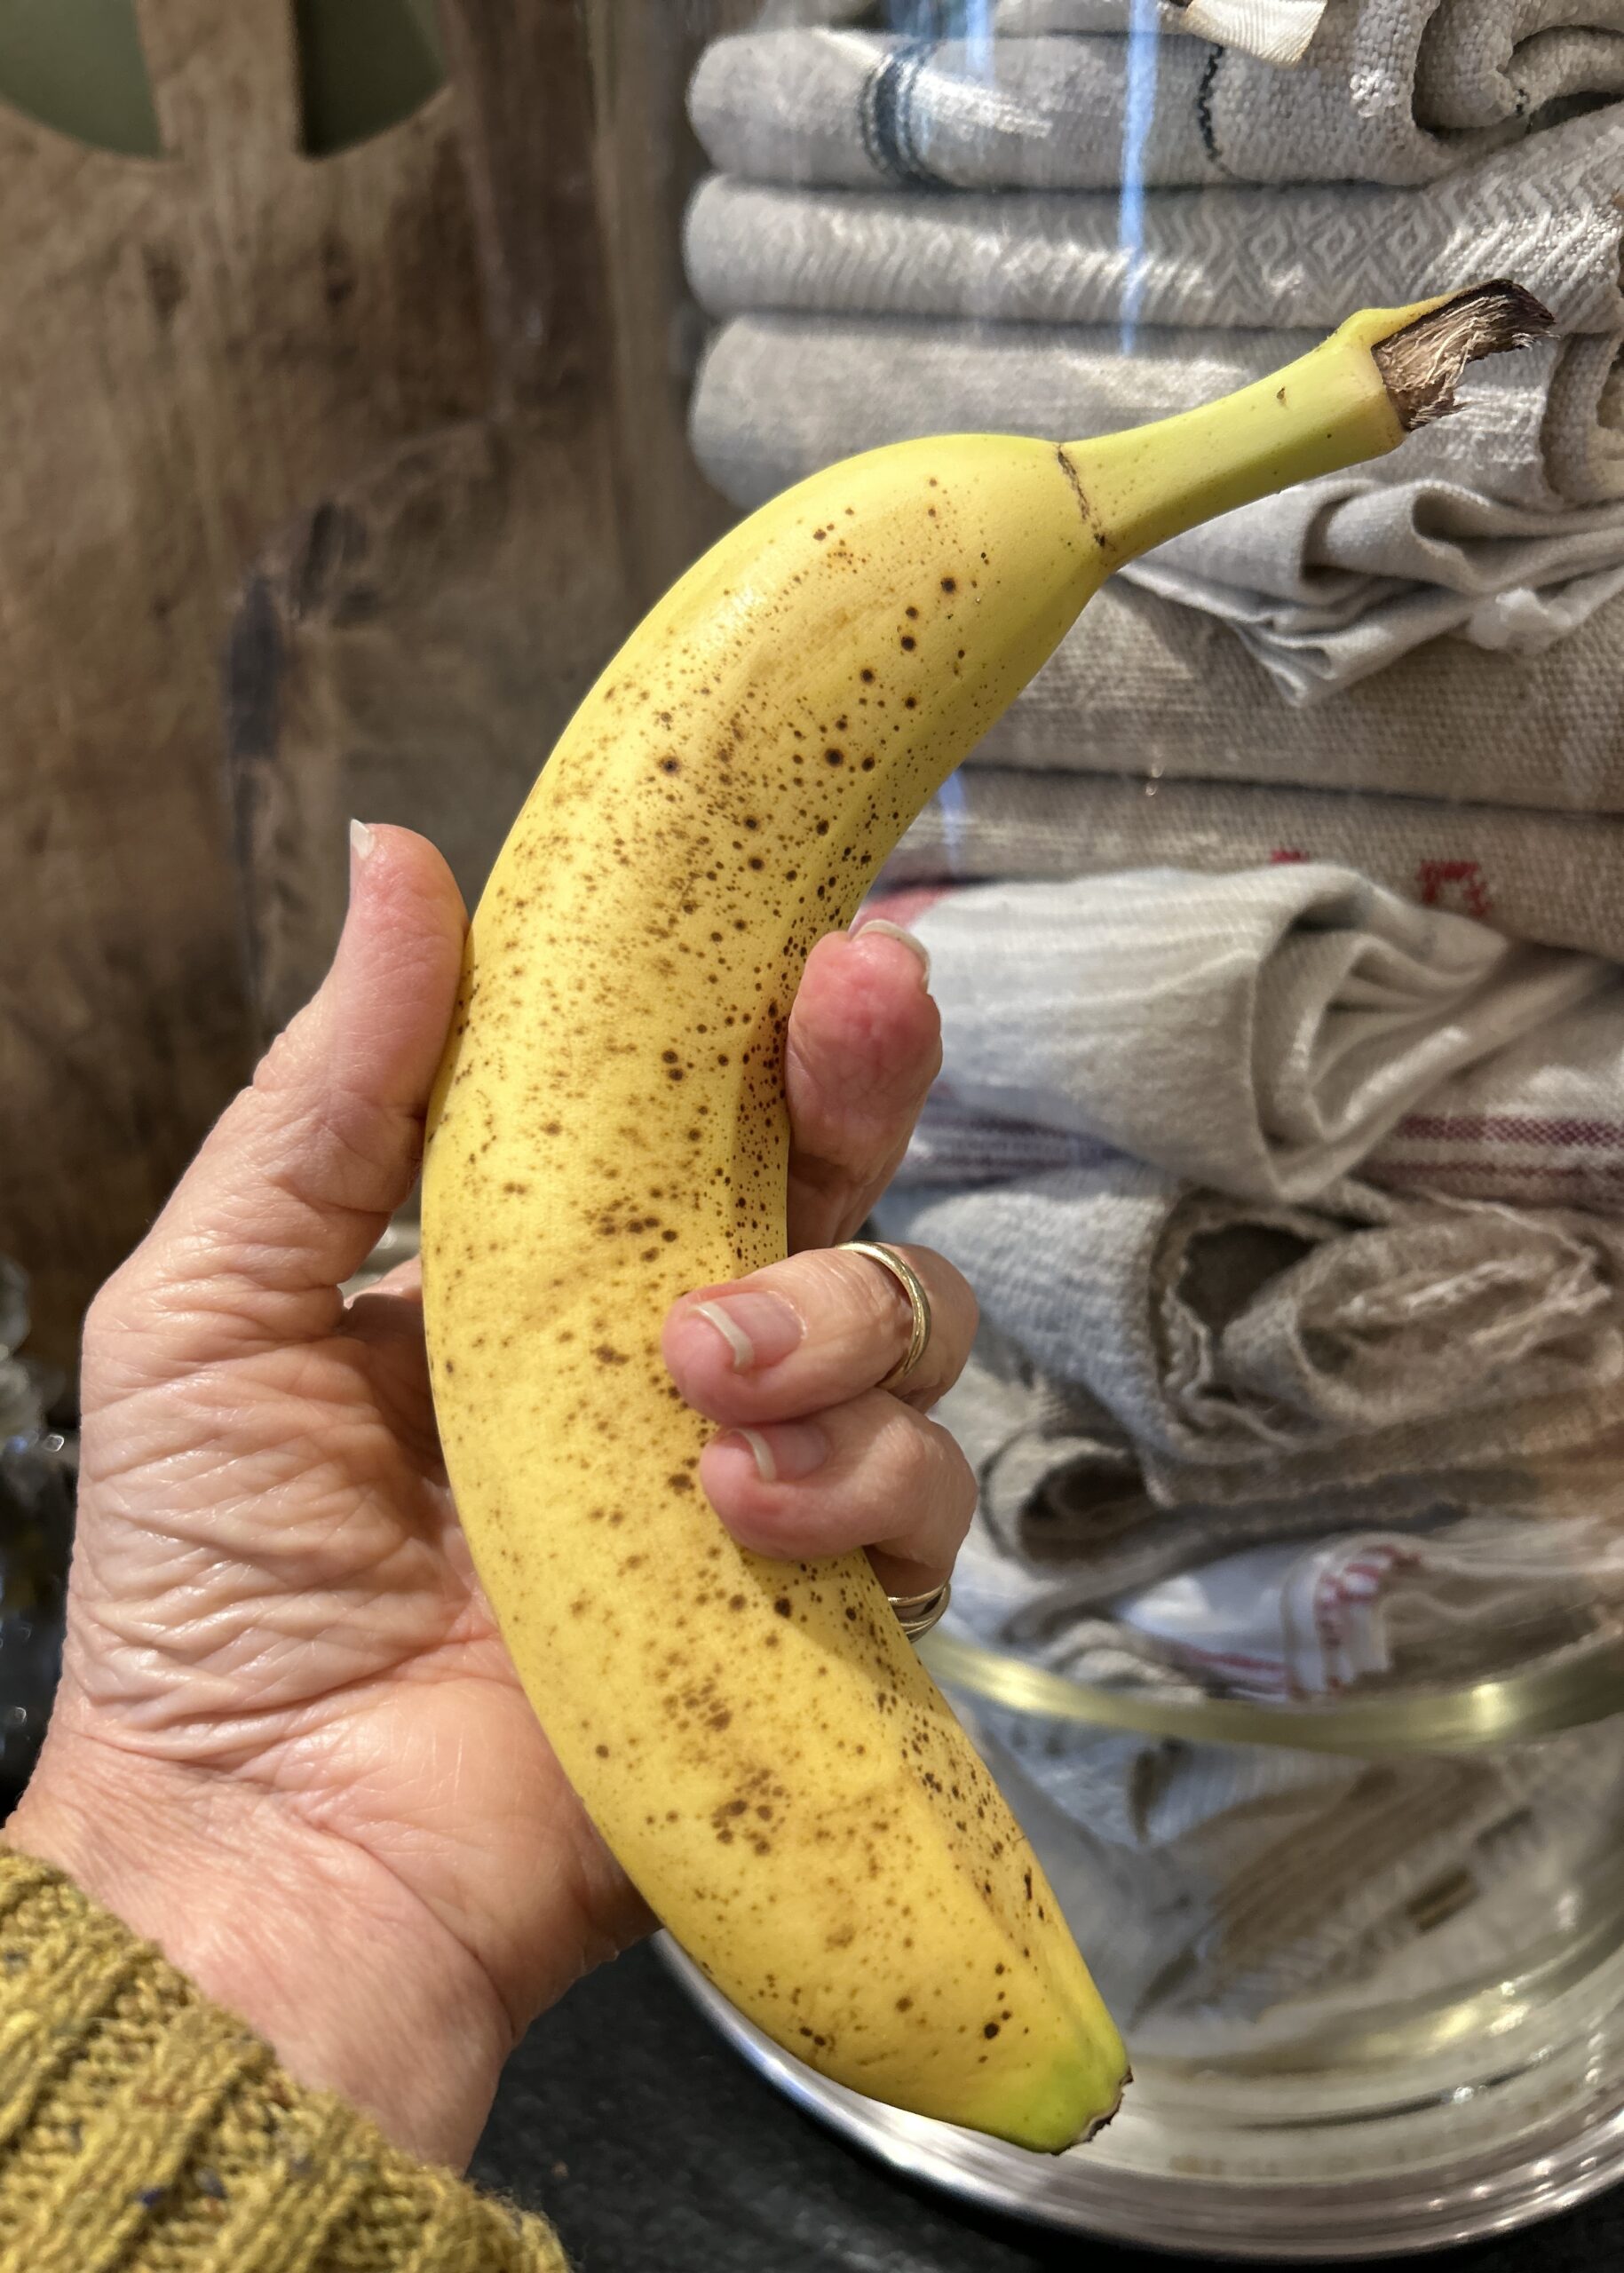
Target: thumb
298 1177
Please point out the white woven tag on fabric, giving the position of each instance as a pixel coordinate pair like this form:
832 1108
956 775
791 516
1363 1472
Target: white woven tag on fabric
1274 31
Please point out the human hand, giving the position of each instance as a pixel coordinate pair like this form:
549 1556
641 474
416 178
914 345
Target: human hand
288 1745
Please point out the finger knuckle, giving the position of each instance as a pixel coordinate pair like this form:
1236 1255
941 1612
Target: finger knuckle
283 1069
952 1292
951 1478
888 1313
123 1302
857 1301
965 1491
104 1318
867 1286
945 1445
907 1460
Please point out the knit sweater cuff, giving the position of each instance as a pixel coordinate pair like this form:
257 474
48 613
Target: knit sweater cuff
142 2128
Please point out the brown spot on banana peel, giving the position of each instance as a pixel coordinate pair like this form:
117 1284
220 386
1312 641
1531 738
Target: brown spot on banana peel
1071 475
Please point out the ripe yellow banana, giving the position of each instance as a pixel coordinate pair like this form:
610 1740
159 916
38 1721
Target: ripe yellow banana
759 1746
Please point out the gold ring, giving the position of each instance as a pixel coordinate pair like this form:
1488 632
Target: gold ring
918 1302
916 1614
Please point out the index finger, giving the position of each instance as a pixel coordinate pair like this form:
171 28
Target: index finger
863 1046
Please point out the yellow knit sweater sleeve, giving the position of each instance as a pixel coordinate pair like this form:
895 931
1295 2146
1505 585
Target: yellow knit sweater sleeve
145 2130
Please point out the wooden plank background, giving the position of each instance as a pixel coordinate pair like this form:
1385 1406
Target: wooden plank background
332 484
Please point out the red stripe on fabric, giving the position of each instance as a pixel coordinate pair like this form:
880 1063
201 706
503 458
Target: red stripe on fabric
1579 1172
1512 1127
1219 1657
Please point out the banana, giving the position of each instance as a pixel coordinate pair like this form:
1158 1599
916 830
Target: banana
760 1747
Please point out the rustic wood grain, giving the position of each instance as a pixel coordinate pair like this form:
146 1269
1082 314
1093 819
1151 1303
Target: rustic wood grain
409 652
190 350
334 483
411 648
649 161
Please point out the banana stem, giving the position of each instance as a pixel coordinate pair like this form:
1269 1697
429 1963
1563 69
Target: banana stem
1354 397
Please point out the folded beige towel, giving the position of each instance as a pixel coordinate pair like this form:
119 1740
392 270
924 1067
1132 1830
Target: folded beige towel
1555 878
1373 99
1254 1351
1142 687
1466 530
1545 212
1257 1031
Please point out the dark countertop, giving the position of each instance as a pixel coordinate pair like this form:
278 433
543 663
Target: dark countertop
655 2148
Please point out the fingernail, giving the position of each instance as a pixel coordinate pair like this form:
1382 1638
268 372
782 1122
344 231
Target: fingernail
784 1453
896 932
758 1328
362 841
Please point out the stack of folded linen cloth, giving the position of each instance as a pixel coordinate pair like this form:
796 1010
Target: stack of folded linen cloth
909 236
1277 928
1264 1032
1166 1101
1251 1413
1040 217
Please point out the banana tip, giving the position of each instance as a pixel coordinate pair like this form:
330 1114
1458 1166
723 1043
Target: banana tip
1091 2130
